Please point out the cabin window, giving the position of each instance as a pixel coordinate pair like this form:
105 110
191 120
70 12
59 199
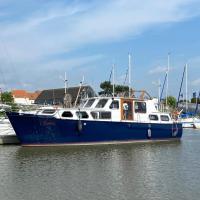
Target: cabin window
140 107
164 118
67 114
48 111
153 117
104 115
82 115
94 115
101 103
114 104
89 103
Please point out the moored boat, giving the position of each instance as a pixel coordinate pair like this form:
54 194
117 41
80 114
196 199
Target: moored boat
197 123
187 120
99 120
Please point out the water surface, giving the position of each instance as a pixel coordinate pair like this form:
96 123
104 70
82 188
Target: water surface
164 170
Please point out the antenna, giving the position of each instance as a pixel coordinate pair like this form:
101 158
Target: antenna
129 74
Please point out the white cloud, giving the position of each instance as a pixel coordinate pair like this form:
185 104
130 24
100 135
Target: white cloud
2 86
59 27
70 63
196 82
158 70
47 30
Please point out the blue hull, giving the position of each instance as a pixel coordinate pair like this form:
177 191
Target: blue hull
42 130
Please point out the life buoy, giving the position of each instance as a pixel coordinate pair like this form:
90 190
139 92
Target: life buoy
149 133
174 132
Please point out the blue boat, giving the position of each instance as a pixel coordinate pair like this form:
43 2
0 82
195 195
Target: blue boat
99 120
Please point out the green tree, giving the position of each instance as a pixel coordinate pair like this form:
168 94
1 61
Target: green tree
107 88
171 101
6 97
194 100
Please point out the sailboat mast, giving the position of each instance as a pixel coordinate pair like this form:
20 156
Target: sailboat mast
129 74
159 88
180 90
113 77
186 87
167 87
65 83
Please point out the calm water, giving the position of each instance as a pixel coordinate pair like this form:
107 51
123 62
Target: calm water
169 170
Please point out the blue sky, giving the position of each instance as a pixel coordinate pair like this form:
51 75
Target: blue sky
40 40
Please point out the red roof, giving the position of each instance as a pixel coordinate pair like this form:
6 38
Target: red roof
25 94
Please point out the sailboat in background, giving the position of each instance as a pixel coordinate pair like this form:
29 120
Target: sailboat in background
188 119
197 120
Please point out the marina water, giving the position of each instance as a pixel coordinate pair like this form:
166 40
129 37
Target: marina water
162 170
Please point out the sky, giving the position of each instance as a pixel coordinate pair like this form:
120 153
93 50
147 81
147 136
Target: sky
41 40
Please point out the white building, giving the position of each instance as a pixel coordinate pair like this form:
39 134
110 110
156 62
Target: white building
23 97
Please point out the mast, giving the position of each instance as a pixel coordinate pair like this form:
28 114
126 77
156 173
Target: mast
186 87
113 79
79 90
65 83
163 86
197 105
167 87
159 88
181 86
129 74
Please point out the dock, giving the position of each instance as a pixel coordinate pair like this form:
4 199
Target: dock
8 139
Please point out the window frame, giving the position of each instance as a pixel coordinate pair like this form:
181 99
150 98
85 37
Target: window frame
161 118
68 116
104 113
98 104
86 106
117 108
49 111
138 111
157 119
81 117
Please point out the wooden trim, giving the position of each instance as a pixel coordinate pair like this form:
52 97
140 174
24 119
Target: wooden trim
128 100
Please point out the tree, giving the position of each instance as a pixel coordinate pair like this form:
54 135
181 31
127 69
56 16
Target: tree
194 100
107 88
171 101
6 97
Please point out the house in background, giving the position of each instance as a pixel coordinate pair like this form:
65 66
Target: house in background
23 97
57 96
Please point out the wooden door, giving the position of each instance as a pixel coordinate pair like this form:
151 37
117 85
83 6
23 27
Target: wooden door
126 109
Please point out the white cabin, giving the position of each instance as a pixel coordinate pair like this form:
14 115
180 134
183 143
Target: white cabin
113 109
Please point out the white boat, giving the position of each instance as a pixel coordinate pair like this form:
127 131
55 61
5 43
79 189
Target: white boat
6 127
197 123
187 122
7 133
101 120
